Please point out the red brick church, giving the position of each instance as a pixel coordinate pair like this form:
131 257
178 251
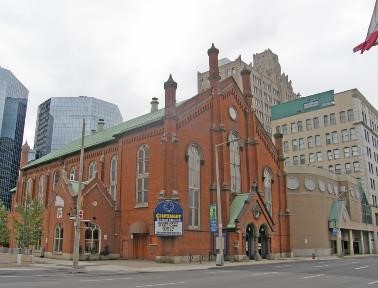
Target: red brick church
149 188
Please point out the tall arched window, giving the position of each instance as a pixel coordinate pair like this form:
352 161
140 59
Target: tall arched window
142 174
41 189
29 187
234 163
194 179
92 170
73 173
92 238
58 238
113 177
268 189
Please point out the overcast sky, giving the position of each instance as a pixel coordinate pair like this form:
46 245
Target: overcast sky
122 51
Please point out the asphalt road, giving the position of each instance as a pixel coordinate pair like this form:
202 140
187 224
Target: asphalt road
346 273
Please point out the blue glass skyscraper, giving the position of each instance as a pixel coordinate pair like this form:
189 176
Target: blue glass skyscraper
13 103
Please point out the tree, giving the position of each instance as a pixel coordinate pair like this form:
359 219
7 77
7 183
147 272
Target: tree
4 231
28 228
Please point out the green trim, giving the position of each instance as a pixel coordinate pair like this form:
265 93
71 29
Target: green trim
236 207
303 105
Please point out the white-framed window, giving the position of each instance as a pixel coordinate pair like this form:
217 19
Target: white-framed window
331 169
302 159
344 135
113 177
316 122
295 160
73 173
328 138
355 151
284 129
343 117
308 124
301 144
310 142
330 155
335 139
356 166
350 115
294 144
92 238
336 153
92 170
286 146
58 238
338 169
300 126
346 152
311 158
353 135
326 120
319 156
234 163
332 119
348 168
318 141
143 161
294 127
56 177
268 190
194 186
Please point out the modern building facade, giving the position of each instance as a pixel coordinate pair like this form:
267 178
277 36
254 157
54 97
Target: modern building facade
59 120
330 214
13 103
269 85
150 183
335 131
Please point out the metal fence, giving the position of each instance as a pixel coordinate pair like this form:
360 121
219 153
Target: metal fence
23 251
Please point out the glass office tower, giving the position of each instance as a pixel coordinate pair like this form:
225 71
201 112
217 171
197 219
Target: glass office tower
59 120
13 102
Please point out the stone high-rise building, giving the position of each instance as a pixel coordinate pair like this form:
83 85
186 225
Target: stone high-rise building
269 85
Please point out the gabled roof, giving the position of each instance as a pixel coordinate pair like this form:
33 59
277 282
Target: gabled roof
102 137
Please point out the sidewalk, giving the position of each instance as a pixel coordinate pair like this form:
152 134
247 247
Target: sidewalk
124 266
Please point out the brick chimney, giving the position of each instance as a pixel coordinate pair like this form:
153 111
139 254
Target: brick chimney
24 154
154 104
213 65
170 97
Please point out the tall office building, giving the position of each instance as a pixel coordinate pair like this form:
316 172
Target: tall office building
13 102
337 132
269 85
59 120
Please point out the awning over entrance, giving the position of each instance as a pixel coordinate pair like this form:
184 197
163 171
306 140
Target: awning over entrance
238 203
138 227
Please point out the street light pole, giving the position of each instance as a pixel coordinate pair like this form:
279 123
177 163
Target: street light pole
220 240
75 256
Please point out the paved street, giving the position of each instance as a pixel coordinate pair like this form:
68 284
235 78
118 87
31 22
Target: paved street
346 272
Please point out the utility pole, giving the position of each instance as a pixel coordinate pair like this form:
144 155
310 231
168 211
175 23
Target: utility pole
75 256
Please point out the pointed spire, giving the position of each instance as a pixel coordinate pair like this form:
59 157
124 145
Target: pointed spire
170 82
212 50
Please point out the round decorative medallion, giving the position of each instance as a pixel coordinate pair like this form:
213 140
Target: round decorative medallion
94 203
292 183
330 188
309 184
232 113
256 211
322 186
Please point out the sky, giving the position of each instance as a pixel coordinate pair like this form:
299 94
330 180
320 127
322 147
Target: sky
122 51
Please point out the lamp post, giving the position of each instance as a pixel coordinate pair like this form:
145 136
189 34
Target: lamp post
219 241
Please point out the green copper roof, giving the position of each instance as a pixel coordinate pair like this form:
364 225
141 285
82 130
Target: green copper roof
236 206
98 138
337 208
303 105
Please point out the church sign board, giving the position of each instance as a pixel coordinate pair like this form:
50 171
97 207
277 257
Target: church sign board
168 218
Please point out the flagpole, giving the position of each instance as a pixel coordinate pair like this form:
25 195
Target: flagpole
75 256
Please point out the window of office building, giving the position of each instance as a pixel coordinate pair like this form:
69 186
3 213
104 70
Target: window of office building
294 144
350 115
338 169
300 126
353 135
328 138
301 144
284 129
342 117
295 160
330 155
310 142
356 166
346 152
335 139
355 151
286 146
316 122
302 159
308 124
311 158
319 156
331 169
336 153
348 168
344 135
332 119
326 120
294 127
318 141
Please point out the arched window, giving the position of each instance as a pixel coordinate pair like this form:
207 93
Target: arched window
142 174
233 140
194 166
113 177
41 189
92 237
58 238
268 189
29 187
56 177
92 170
73 173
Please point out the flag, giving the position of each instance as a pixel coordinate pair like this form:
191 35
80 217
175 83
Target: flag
372 35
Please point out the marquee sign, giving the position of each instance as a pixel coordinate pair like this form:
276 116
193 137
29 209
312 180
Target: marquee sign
168 218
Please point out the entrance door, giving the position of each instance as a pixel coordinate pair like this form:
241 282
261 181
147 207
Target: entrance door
140 246
263 242
250 241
